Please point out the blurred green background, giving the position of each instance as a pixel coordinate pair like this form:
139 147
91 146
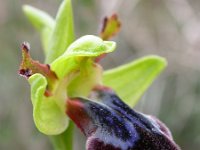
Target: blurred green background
170 28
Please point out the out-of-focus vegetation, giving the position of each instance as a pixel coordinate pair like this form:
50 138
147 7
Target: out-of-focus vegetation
168 28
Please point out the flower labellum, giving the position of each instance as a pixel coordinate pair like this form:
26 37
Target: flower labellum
110 124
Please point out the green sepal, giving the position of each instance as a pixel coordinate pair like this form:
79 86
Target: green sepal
90 45
86 46
131 80
63 33
48 116
43 22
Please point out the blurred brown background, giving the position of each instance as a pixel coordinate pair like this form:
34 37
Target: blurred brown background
170 28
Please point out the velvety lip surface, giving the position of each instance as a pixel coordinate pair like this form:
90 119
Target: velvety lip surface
110 124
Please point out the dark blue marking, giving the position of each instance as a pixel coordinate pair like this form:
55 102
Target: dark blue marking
109 121
113 101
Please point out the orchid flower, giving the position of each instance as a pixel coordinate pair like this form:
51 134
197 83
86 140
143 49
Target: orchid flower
70 85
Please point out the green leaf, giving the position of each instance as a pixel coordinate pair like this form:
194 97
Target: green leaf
86 46
38 18
49 118
42 22
45 37
63 33
130 81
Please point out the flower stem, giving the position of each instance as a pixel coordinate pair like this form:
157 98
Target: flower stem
63 141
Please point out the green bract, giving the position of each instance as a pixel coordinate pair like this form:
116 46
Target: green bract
73 70
42 22
63 32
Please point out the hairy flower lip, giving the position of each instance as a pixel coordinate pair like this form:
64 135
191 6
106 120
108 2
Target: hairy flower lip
103 120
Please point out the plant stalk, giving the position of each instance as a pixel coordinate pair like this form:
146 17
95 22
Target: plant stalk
63 141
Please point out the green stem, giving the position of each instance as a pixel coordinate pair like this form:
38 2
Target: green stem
63 141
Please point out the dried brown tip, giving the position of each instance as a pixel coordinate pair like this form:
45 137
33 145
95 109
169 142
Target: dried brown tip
25 73
110 27
25 46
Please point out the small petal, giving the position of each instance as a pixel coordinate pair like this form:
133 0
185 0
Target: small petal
111 26
29 67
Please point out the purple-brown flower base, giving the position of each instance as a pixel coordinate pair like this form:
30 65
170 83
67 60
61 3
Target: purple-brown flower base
110 124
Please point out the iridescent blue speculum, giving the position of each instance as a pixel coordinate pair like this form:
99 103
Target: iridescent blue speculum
110 124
